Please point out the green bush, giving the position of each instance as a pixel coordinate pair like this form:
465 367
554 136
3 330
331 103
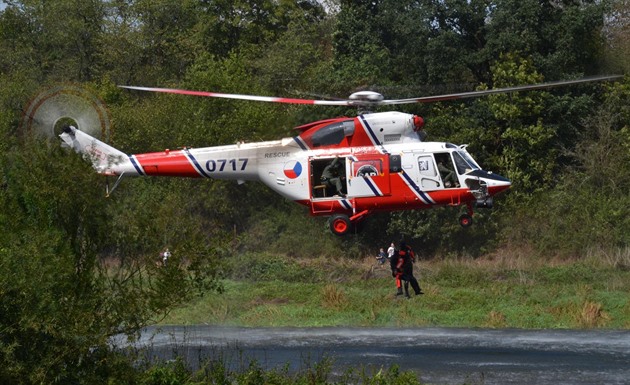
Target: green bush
174 373
457 275
269 267
252 373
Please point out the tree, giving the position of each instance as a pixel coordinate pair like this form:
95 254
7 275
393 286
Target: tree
55 40
69 285
359 53
616 31
587 210
563 38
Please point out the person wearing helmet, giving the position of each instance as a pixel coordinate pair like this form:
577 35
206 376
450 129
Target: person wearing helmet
332 176
448 175
396 273
404 269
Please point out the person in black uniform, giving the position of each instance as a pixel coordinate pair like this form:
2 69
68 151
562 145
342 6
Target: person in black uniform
394 262
404 268
333 176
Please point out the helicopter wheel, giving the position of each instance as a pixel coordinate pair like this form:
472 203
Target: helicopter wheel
340 224
465 220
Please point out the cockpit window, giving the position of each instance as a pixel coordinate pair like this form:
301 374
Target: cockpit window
464 162
470 160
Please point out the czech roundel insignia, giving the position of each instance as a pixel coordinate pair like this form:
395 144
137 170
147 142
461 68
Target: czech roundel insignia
292 169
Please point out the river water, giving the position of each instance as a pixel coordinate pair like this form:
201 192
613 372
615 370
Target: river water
436 355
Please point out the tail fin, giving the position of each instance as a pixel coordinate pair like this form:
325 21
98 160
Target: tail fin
103 156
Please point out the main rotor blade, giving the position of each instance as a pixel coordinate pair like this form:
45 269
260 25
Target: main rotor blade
270 99
369 99
475 94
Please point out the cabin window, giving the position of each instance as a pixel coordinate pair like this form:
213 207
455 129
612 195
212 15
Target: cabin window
426 166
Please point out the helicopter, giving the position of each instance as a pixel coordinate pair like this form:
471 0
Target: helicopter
345 168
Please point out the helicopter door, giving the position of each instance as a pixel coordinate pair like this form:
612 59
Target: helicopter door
319 187
368 175
428 175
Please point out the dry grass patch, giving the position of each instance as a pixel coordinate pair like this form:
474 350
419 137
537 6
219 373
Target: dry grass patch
495 320
333 297
591 315
263 315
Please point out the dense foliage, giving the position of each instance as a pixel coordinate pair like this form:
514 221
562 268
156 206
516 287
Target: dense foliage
78 268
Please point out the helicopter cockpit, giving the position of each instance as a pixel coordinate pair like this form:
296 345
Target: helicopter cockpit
464 162
454 164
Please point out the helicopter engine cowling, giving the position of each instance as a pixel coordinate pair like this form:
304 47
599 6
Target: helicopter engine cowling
393 127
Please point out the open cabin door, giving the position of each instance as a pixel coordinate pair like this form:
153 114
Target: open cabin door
368 175
321 188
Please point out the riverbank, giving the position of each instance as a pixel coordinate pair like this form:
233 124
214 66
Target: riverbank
426 355
496 292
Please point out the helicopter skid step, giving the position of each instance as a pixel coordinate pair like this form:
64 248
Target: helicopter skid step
331 205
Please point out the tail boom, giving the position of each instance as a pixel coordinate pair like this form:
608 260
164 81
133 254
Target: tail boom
224 162
105 159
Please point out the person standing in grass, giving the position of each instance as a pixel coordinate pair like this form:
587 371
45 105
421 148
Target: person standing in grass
382 256
404 269
165 256
393 263
391 250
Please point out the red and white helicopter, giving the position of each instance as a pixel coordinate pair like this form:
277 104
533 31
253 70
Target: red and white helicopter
383 163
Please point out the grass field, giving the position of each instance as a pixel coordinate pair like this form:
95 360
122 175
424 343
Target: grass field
495 292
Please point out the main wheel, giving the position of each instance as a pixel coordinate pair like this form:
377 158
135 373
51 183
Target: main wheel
465 220
340 224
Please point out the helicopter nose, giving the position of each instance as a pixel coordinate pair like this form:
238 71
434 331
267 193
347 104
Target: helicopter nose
497 183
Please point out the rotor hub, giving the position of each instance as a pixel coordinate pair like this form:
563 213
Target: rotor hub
366 97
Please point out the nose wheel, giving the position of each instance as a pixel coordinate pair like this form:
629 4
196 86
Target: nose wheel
465 220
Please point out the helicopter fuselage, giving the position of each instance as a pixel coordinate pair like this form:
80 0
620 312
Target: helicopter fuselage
383 165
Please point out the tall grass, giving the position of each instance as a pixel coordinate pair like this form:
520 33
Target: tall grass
333 297
494 292
252 373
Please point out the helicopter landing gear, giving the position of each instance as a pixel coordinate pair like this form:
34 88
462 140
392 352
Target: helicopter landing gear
340 224
465 220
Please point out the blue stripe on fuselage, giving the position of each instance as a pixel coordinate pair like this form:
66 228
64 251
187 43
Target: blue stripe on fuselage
196 164
370 132
135 164
421 194
300 143
371 185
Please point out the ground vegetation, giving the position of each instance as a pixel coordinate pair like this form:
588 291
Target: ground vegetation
498 290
